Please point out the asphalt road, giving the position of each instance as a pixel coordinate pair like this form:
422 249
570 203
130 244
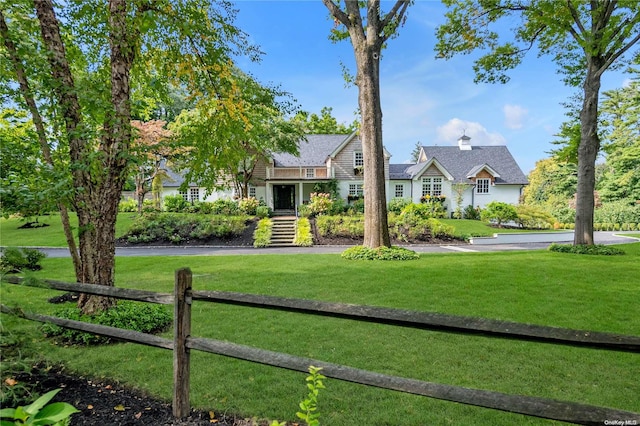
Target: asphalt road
600 238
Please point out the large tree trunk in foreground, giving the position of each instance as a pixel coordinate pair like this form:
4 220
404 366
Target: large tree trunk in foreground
587 154
376 229
98 186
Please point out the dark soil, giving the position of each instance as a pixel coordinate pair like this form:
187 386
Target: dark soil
104 403
32 225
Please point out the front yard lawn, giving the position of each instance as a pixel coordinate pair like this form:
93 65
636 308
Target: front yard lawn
583 292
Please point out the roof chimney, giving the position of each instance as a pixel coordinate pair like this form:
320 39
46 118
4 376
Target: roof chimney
464 143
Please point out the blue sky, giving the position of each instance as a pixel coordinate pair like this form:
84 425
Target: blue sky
423 99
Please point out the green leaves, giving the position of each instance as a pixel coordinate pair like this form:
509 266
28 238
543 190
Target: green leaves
39 413
309 406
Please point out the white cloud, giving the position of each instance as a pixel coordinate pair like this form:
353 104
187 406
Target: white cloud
450 132
514 116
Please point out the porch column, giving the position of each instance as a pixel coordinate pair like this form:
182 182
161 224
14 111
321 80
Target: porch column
301 196
268 196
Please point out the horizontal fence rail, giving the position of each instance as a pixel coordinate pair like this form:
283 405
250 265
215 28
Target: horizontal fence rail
430 320
182 343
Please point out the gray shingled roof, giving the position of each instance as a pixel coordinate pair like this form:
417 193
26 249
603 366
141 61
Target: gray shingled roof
400 171
460 163
313 152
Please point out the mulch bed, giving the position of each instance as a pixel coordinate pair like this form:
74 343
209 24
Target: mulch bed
104 403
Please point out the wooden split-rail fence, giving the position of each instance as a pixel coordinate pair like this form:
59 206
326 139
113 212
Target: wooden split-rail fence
183 343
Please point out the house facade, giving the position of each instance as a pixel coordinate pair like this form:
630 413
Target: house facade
482 174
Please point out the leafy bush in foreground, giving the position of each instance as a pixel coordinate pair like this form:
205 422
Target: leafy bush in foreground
597 249
379 253
142 317
303 233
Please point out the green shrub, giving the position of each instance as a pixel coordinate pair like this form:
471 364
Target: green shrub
533 217
617 212
128 206
397 204
409 227
338 206
379 253
303 236
356 207
248 206
340 226
262 234
128 315
263 211
175 203
499 212
178 227
304 210
205 207
471 213
13 259
595 249
422 210
224 206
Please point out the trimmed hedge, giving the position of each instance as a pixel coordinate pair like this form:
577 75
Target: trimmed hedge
379 253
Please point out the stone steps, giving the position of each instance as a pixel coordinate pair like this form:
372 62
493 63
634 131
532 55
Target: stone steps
283 232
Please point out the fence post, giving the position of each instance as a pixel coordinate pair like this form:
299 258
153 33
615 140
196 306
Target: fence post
181 331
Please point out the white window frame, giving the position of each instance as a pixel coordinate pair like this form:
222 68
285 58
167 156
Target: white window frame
251 191
310 173
432 186
483 185
356 189
194 194
399 190
184 195
358 159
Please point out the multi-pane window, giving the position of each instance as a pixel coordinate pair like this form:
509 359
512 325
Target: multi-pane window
194 194
355 189
311 173
252 191
399 191
482 186
432 186
358 159
184 195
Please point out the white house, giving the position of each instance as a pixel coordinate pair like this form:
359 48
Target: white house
285 181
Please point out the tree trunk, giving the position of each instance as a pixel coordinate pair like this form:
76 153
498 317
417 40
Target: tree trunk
376 229
42 137
99 190
587 154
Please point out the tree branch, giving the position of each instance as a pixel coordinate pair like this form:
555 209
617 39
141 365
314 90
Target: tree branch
400 8
337 13
576 19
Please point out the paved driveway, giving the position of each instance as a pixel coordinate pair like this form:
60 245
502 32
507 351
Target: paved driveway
600 238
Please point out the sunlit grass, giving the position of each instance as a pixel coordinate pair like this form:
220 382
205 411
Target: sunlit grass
582 292
51 235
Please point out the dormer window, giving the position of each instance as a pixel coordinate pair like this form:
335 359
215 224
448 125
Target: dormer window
482 186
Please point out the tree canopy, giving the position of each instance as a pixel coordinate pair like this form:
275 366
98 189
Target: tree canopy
83 71
223 143
324 124
585 40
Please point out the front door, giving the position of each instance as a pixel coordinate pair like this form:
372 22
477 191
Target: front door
284 197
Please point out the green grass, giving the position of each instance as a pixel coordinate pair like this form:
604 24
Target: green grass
476 228
48 236
582 292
